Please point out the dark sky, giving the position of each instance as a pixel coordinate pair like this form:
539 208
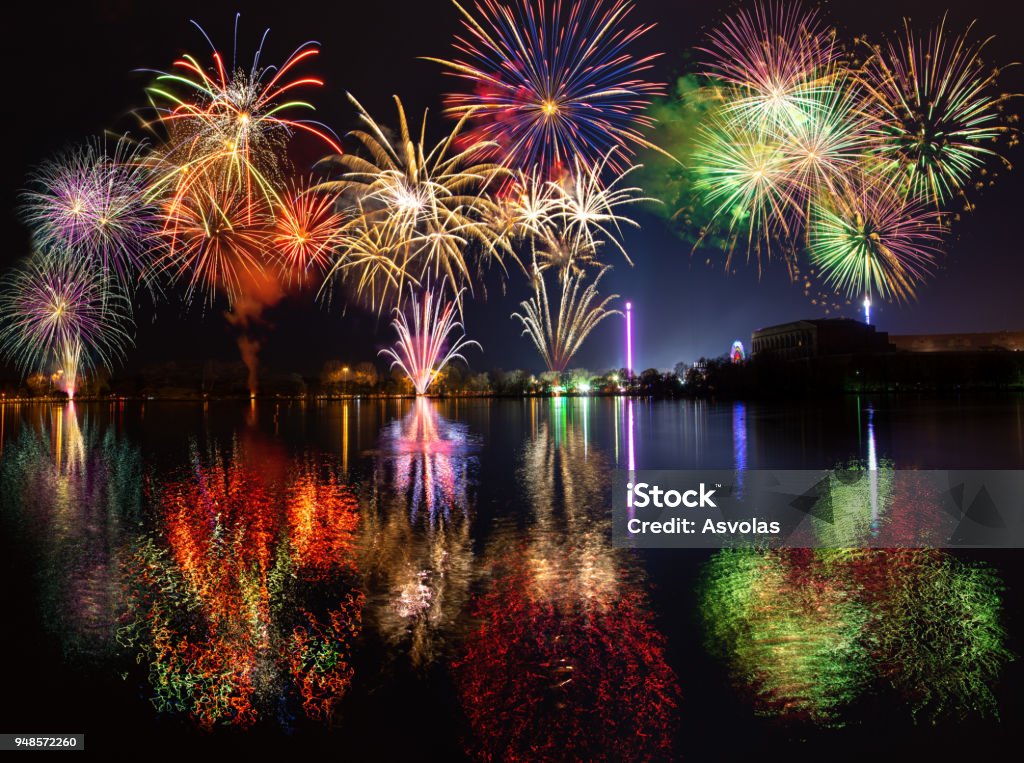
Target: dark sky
72 74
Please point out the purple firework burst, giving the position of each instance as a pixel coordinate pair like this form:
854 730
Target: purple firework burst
91 203
58 314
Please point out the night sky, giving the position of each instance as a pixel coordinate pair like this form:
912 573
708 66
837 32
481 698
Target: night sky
73 73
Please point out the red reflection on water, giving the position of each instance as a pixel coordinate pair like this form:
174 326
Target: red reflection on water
555 673
236 602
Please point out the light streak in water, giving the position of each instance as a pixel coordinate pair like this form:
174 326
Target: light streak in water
629 338
344 437
427 459
553 671
873 470
564 648
80 485
739 444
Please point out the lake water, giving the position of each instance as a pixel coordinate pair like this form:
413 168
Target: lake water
384 580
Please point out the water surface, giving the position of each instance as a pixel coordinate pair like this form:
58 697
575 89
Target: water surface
416 579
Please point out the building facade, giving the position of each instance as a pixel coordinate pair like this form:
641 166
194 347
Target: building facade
1011 341
817 338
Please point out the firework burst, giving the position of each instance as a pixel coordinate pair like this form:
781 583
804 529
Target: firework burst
774 56
799 140
873 239
214 241
567 222
305 232
90 204
423 348
552 81
825 141
417 210
748 181
588 209
937 115
230 126
579 311
57 313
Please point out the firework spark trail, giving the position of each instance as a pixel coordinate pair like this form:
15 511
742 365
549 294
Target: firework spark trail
747 180
567 222
214 240
89 203
559 339
416 210
551 82
58 312
775 56
423 347
588 208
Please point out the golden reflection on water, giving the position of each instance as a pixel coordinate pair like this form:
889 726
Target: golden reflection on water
416 539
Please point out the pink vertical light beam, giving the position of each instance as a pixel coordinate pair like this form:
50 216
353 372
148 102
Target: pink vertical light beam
629 338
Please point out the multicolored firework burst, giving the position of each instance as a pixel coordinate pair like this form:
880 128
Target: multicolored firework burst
231 221
872 239
57 313
423 347
825 141
775 56
418 208
937 113
786 125
799 140
89 203
579 311
230 126
552 81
